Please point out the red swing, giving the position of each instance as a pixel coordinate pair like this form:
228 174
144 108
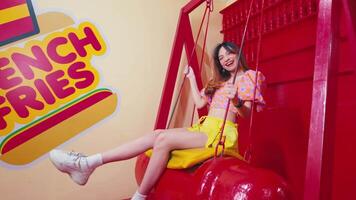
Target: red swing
218 178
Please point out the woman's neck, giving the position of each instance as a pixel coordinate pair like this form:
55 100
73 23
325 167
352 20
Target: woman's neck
239 72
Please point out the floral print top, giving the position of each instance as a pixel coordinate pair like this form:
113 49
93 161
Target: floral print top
245 91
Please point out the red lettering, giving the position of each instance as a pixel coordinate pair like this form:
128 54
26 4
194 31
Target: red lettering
75 72
53 54
23 97
79 44
23 62
6 81
3 112
58 85
45 91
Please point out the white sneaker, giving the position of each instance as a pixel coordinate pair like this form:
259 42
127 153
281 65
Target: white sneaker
72 163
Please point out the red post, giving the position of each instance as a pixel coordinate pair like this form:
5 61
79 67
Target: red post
349 8
319 166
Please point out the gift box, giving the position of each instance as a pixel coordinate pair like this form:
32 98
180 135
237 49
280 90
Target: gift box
17 20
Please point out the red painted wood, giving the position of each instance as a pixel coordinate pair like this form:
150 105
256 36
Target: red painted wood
288 54
169 83
183 37
280 132
191 5
189 47
309 144
319 166
349 7
221 178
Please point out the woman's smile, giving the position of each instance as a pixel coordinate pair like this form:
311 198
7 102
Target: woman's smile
227 60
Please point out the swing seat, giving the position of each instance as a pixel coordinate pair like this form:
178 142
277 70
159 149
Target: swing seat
216 179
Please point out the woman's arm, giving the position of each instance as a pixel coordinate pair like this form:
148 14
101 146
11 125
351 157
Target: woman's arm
198 99
243 107
245 110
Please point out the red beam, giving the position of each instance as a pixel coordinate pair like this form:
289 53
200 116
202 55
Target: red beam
318 179
189 47
183 36
171 76
191 5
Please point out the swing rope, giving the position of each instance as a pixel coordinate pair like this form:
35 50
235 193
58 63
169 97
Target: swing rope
209 7
247 155
221 132
203 52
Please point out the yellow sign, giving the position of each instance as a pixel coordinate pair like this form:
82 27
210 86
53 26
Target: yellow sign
51 88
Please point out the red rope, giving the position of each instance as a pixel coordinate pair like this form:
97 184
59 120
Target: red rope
209 6
221 132
247 155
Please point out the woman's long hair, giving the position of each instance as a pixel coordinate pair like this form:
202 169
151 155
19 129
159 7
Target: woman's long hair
221 74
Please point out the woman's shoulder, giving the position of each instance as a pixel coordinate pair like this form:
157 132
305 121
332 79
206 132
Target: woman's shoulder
249 91
251 74
248 78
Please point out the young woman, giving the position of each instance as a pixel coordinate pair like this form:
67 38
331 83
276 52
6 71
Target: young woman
201 135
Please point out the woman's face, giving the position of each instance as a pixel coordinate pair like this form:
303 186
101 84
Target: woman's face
227 60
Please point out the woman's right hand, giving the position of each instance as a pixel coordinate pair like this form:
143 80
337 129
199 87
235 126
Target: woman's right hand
199 100
188 72
231 90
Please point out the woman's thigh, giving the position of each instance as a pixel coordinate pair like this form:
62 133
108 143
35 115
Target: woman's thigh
171 130
183 139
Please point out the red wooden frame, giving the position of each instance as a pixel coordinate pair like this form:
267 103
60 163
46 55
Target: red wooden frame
183 37
318 178
318 183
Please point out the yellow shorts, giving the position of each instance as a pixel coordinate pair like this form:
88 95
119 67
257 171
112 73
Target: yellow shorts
211 127
185 158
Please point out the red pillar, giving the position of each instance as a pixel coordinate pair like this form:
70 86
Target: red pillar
319 166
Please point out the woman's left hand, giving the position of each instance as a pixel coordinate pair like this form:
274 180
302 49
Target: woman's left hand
231 90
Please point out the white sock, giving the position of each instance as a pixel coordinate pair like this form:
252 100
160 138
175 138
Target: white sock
138 196
95 160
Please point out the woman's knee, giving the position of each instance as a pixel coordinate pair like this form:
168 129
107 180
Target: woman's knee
150 138
162 143
158 132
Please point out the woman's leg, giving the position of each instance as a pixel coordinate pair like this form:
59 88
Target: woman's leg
80 167
164 144
135 147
